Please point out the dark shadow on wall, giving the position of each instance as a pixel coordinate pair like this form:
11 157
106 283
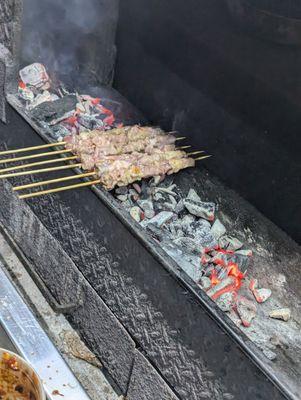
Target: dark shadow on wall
188 67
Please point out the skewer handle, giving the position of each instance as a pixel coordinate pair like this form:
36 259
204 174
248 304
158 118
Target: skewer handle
59 189
49 153
50 181
39 171
36 164
25 149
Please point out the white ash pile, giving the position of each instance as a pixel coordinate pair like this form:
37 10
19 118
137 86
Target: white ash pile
56 109
188 230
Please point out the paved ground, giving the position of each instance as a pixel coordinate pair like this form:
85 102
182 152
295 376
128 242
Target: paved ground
86 367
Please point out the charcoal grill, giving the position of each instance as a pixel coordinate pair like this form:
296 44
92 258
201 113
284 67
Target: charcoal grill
132 304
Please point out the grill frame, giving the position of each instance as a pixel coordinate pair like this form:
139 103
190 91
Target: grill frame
186 295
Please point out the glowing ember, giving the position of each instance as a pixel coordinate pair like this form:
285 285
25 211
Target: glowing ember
22 85
233 270
214 279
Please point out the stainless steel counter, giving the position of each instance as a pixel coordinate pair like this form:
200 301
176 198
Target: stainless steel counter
20 332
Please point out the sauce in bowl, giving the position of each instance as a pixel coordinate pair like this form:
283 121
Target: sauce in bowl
17 380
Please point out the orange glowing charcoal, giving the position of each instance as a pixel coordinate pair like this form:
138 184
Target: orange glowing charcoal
233 270
96 100
22 85
214 279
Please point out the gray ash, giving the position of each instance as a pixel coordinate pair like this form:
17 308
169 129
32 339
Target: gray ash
188 229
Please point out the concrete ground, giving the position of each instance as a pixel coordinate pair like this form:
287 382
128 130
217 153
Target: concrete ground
85 366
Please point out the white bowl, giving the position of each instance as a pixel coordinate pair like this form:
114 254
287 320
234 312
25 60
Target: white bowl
21 373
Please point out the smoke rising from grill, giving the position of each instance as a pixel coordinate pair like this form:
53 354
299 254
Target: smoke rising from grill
73 38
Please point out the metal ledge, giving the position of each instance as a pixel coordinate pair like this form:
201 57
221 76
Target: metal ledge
33 344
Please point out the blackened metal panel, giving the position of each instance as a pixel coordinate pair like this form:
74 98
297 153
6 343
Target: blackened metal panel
189 67
105 336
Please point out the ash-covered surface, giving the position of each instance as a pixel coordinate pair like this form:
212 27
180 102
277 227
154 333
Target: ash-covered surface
178 218
276 265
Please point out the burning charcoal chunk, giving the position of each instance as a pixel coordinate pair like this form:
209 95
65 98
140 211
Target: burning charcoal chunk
205 259
247 253
128 204
147 207
194 227
25 93
261 295
187 221
226 301
167 181
155 180
42 98
200 231
34 74
158 233
62 118
188 244
234 317
242 260
137 187
230 243
160 219
59 131
192 195
220 259
218 229
269 354
136 213
226 284
166 190
246 310
50 110
158 196
188 263
122 197
205 283
179 207
145 190
121 190
281 313
200 209
133 195
90 122
209 270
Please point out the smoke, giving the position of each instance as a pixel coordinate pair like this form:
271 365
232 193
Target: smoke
70 37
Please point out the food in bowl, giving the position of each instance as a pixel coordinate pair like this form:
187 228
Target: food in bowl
18 381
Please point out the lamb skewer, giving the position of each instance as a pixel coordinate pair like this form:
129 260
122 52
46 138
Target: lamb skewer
79 185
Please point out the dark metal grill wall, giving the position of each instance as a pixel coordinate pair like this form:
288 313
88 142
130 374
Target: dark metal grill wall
188 66
287 8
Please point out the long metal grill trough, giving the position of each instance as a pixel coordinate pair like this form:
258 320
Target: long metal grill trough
140 312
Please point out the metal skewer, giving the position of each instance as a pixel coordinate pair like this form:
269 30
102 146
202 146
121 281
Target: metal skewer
25 149
49 153
36 164
50 181
39 171
59 189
